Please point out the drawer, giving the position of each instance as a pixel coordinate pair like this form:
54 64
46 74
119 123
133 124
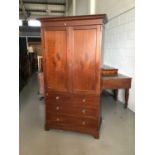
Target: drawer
72 110
86 100
65 120
58 98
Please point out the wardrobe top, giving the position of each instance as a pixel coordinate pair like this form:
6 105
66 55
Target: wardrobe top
102 17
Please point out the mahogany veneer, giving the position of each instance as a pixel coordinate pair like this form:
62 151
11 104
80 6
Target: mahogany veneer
71 63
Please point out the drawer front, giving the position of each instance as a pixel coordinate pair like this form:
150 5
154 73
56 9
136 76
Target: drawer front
72 110
86 101
74 99
58 98
64 120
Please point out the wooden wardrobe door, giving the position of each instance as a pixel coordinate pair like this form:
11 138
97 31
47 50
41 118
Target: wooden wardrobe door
56 61
85 54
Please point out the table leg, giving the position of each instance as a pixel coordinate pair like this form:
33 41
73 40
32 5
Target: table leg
115 91
126 97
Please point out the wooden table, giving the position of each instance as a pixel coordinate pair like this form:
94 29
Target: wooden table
116 82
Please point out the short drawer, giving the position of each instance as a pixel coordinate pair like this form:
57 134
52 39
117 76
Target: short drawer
58 98
86 100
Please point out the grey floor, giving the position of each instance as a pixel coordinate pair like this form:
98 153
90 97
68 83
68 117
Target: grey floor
116 134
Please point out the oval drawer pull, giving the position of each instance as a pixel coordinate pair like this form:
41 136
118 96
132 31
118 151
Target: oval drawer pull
57 108
83 100
57 98
83 111
58 119
83 123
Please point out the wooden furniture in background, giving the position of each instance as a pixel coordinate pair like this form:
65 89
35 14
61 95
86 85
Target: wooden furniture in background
40 63
41 84
71 54
108 71
40 78
116 82
37 47
24 64
29 48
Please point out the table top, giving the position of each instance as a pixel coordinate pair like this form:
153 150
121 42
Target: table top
106 67
119 76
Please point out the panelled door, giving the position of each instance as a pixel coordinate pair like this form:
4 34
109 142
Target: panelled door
85 63
56 59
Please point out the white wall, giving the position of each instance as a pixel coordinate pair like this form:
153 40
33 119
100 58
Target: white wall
113 7
82 7
119 48
70 8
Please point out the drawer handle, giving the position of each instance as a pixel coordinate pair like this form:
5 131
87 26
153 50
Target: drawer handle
83 111
58 119
57 108
84 100
65 24
57 98
83 123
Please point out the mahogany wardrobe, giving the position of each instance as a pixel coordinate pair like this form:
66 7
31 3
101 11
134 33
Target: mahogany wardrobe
71 63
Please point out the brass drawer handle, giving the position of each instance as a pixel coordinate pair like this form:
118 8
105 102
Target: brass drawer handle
65 24
83 123
58 119
57 108
83 111
84 100
57 98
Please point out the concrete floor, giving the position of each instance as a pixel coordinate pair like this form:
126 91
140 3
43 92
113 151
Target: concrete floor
116 134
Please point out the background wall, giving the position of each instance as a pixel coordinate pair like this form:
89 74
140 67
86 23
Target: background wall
119 48
70 8
82 7
113 7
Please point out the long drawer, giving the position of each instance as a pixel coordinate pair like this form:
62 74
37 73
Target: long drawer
71 110
86 100
74 99
65 120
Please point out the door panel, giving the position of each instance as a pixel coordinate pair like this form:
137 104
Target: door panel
84 59
56 63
